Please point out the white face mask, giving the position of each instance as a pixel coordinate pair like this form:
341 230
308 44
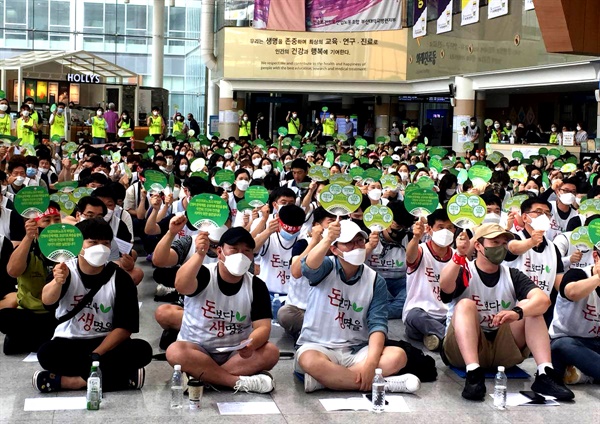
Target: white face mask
375 194
541 222
491 218
267 168
273 156
250 171
442 238
294 115
242 185
245 118
220 164
256 161
19 181
99 113
497 126
109 215
237 264
155 113
227 155
3 108
183 167
403 175
44 170
25 113
534 191
163 169
578 128
169 161
567 198
355 257
97 255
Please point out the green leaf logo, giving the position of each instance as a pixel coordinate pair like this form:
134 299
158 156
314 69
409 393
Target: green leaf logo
239 317
547 269
505 305
356 307
105 309
399 264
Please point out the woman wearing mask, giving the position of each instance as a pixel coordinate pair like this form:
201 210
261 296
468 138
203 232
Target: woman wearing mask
6 123
125 125
532 185
57 122
230 165
581 136
404 174
394 133
99 126
267 166
26 127
156 124
256 160
448 186
181 169
496 136
241 184
216 160
375 192
179 126
422 172
554 136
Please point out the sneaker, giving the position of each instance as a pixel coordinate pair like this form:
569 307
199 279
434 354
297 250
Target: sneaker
311 384
46 382
162 290
136 380
432 342
474 385
259 383
405 383
551 384
167 338
574 376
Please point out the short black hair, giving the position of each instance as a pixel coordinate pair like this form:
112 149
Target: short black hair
105 191
86 201
300 163
198 185
491 199
320 214
527 205
281 192
95 229
437 215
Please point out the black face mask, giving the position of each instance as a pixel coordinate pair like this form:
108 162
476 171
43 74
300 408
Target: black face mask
397 235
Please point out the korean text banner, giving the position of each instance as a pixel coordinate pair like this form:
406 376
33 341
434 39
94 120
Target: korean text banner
360 56
327 15
497 8
444 21
420 19
470 12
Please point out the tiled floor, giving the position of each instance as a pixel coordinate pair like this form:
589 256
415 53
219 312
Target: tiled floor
438 402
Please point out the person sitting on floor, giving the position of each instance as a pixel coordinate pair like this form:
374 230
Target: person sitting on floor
346 319
97 309
225 306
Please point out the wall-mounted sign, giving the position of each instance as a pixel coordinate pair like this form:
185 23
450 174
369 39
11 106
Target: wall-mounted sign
84 78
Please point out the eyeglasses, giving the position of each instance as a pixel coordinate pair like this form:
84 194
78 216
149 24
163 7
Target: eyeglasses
539 212
563 191
356 243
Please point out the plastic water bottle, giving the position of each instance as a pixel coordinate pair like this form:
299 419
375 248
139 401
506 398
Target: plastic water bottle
177 388
93 389
275 305
378 392
99 372
500 390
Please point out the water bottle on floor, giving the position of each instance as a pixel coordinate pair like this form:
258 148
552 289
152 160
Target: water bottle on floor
93 389
500 390
177 388
378 392
99 372
275 306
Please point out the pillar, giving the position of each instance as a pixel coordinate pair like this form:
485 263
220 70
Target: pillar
158 43
464 106
382 117
3 84
480 115
212 99
228 117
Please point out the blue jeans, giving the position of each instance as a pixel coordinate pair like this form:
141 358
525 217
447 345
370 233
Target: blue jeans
396 296
584 353
98 140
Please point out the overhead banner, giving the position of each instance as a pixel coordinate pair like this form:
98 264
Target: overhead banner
328 15
420 19
444 21
529 5
470 12
497 8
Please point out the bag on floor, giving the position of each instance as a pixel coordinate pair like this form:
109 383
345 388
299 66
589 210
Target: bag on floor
419 364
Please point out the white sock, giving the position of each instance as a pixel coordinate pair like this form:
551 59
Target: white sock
473 366
542 367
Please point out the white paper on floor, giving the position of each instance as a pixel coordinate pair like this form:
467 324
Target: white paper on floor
55 403
139 305
395 403
32 357
247 408
517 399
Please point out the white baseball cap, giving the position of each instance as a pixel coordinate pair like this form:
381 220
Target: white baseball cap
349 230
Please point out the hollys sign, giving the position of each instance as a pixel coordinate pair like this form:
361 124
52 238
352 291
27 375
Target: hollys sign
84 78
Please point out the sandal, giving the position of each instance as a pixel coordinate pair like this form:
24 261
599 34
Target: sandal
46 382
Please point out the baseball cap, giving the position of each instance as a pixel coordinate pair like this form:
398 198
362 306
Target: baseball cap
237 235
349 230
216 233
490 231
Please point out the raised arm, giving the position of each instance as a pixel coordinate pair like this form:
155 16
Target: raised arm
315 257
412 248
452 268
186 281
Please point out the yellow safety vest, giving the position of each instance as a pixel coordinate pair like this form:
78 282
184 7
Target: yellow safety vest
5 123
127 131
494 137
26 135
98 127
245 129
155 126
293 126
554 138
58 126
177 127
34 115
411 133
328 127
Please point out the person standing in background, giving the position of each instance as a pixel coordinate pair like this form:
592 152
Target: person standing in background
193 124
294 125
111 119
156 124
6 122
473 132
57 121
179 126
99 127
261 129
245 125
329 127
369 131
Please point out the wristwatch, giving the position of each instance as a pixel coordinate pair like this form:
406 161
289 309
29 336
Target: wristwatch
519 311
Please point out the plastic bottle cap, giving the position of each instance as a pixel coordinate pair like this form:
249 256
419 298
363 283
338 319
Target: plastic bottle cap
276 296
500 368
177 367
378 371
96 364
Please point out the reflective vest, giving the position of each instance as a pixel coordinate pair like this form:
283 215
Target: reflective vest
329 127
411 133
127 131
155 126
245 129
34 115
26 135
98 127
177 127
5 122
294 126
554 138
58 126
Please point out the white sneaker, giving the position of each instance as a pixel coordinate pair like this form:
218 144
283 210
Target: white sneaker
432 342
311 384
405 383
162 290
259 383
573 375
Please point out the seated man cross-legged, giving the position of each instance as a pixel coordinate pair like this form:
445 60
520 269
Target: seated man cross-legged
224 306
345 326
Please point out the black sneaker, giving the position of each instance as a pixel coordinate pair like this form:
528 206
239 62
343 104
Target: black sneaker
551 384
167 338
474 385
